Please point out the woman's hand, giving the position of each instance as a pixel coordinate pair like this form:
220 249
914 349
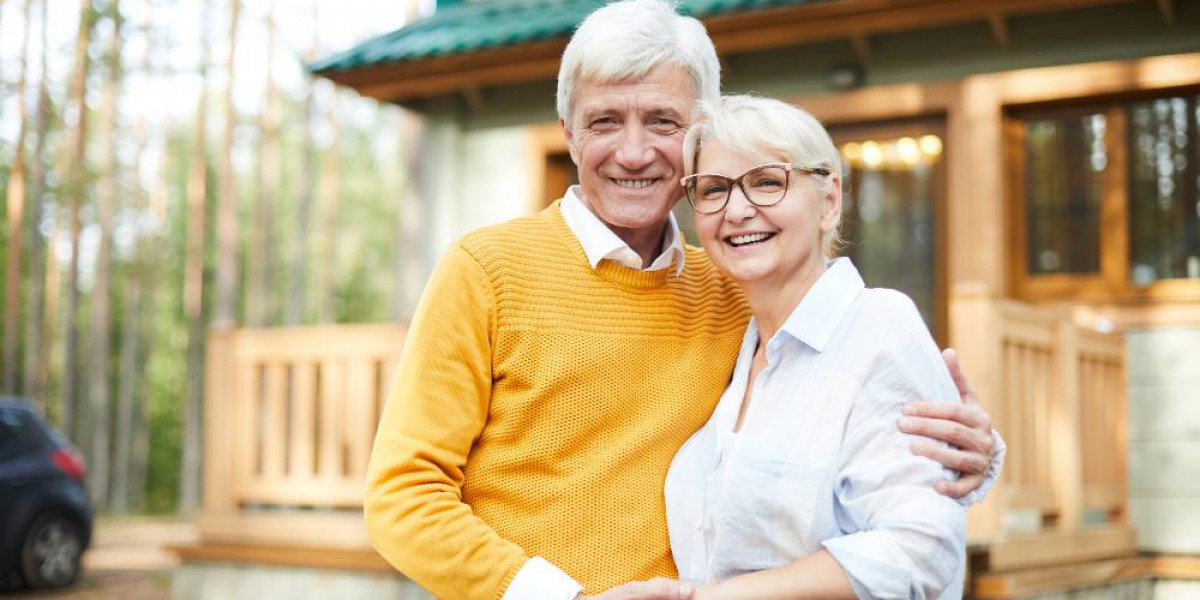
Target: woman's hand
966 427
659 588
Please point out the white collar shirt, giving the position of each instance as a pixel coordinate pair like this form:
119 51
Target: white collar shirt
600 243
818 462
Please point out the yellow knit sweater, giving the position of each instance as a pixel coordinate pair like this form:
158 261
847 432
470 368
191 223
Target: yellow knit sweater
537 407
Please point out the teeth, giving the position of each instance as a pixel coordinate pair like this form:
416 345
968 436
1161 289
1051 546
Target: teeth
634 184
749 238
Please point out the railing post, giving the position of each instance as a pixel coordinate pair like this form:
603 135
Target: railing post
218 422
1066 424
974 335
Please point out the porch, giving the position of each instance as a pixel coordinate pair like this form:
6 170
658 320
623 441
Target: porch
291 413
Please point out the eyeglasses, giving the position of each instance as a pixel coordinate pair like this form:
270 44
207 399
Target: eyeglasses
764 185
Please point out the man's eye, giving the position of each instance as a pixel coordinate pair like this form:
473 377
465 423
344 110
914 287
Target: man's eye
666 125
603 123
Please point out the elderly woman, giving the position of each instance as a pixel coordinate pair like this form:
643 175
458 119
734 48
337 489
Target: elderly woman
800 485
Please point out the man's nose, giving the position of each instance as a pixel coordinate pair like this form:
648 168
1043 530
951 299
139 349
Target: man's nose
635 150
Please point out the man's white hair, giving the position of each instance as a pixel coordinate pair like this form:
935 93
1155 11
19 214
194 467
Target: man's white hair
767 130
625 40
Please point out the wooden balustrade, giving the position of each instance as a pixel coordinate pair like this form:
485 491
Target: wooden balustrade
290 419
291 415
1057 392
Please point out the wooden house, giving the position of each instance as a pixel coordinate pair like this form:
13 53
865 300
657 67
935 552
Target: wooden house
1027 170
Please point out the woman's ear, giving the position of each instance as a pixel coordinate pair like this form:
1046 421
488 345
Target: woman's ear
831 204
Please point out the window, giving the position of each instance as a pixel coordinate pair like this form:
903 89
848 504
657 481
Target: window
1108 199
894 193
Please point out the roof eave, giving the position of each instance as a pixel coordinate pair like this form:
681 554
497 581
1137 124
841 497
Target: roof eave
853 20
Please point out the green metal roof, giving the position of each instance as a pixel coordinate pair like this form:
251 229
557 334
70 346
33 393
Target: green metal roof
489 24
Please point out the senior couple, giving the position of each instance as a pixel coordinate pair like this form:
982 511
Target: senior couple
588 406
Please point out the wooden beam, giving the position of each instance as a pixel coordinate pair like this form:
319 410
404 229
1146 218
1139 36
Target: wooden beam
474 98
308 530
1054 548
1166 10
999 25
808 23
862 46
326 558
1023 584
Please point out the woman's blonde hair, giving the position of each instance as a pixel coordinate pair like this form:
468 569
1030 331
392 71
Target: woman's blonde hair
767 130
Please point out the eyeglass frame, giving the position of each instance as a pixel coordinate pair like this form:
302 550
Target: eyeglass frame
807 168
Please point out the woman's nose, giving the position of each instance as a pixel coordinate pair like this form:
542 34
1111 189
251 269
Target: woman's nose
739 208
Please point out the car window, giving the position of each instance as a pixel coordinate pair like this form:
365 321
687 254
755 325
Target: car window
17 433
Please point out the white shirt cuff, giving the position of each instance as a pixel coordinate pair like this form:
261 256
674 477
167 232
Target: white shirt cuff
540 580
993 473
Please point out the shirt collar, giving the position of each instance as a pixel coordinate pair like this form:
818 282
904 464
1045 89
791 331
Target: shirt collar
823 307
600 243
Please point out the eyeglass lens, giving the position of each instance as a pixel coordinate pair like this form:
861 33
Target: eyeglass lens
763 186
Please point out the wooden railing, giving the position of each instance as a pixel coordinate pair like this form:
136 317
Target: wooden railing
291 415
1058 394
290 419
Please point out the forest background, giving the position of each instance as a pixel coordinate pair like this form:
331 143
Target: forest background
168 167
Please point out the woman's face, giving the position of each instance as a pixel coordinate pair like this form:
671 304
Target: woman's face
778 245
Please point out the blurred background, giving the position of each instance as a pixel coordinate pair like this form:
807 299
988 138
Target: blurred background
219 215
122 126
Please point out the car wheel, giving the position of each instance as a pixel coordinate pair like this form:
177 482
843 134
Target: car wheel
51 551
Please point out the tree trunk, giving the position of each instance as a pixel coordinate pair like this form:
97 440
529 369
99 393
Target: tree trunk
74 174
131 330
140 443
36 362
193 293
101 320
227 268
297 297
330 193
260 309
16 225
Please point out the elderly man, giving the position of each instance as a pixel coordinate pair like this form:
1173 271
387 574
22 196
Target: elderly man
557 362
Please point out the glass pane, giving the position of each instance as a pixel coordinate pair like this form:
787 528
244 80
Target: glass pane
888 214
1164 190
1065 160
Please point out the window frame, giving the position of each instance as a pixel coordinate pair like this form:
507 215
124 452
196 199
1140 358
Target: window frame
1112 281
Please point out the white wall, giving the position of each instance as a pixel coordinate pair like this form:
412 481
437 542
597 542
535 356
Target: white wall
468 178
1164 438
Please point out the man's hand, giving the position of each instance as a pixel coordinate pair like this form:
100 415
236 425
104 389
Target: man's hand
658 588
966 427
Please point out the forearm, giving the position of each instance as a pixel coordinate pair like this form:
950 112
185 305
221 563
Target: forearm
815 577
436 410
432 537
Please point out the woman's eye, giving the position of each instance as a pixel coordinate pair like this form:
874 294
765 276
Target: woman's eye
768 184
714 189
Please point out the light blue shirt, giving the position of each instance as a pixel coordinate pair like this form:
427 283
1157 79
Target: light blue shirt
819 461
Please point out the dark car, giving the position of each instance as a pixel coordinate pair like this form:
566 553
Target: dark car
45 514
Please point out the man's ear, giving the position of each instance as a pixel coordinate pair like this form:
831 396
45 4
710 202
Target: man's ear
569 135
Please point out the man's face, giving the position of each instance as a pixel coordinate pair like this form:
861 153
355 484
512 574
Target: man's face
626 139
